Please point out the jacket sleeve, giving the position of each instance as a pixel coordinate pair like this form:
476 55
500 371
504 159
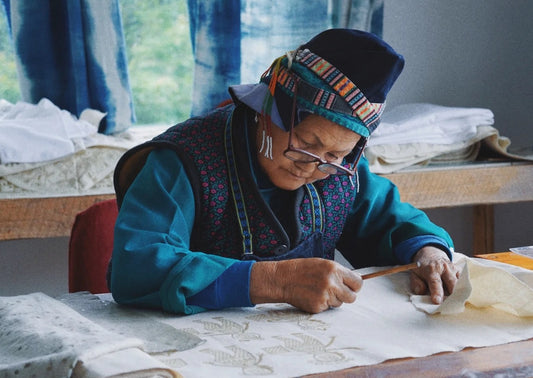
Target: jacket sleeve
152 265
379 223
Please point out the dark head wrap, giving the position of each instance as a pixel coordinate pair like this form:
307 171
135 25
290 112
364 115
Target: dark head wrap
343 75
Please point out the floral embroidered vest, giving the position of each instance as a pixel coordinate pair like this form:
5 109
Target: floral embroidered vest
232 218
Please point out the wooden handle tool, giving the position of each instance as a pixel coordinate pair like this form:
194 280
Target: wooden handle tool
401 268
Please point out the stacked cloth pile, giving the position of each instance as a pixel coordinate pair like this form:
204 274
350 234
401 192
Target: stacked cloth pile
46 151
421 134
42 337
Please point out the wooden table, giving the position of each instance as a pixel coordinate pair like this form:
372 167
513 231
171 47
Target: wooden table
506 360
480 185
22 218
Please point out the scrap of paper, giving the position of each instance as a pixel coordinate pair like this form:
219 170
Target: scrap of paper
524 251
484 286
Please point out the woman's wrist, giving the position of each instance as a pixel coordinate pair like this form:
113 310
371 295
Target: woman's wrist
266 282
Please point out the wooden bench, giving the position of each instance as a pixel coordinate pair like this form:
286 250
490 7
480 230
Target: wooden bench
478 185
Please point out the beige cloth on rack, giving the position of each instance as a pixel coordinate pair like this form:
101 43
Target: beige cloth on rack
86 172
388 158
420 134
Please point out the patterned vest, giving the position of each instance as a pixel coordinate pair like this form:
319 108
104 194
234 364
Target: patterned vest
232 219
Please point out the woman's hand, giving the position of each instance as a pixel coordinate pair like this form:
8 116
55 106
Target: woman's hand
436 275
310 284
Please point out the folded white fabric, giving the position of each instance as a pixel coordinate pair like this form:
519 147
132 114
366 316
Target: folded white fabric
42 337
420 133
482 285
387 158
119 364
429 123
34 133
86 172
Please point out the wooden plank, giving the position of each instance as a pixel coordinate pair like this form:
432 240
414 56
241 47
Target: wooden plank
509 258
506 360
424 188
474 184
23 218
483 228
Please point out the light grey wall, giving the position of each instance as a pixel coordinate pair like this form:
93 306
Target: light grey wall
33 265
472 53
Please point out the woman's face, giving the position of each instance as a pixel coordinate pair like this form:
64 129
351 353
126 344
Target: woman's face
314 134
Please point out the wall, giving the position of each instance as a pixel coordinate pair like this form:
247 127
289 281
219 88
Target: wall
34 265
468 53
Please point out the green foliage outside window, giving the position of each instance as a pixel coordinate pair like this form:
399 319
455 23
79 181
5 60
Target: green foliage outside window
160 62
9 86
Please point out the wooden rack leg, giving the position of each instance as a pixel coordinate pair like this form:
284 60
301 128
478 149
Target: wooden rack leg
483 229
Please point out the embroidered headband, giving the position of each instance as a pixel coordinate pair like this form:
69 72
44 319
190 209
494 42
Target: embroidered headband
347 98
334 74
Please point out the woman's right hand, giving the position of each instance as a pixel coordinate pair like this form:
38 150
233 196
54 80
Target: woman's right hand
310 284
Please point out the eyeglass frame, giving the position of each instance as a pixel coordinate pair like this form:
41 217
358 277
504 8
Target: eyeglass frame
341 170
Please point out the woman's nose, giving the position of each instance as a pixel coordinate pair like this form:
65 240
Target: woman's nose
311 169
307 167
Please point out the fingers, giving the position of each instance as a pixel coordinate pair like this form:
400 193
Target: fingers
418 286
335 302
437 275
351 284
352 280
449 277
342 286
315 285
442 281
435 286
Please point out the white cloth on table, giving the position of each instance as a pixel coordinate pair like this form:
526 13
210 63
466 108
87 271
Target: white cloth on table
482 286
429 123
420 133
383 323
88 167
31 133
279 341
42 337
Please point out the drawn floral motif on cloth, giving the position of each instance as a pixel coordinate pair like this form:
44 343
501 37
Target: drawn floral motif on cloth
248 362
320 352
224 326
304 320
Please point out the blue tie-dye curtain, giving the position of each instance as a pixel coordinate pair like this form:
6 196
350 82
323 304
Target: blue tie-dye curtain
215 35
234 41
73 53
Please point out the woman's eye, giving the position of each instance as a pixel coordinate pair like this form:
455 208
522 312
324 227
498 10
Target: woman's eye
304 144
332 157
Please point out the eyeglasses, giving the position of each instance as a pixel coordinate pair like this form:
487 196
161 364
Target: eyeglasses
301 156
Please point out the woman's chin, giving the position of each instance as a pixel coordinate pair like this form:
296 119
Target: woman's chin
288 181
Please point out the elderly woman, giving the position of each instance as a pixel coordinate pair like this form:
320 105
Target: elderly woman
248 203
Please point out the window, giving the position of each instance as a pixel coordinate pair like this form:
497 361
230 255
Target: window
9 86
160 61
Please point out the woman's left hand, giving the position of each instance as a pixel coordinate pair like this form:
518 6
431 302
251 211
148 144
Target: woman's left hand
436 274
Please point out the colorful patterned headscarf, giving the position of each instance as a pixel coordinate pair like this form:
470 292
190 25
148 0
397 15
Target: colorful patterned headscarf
343 75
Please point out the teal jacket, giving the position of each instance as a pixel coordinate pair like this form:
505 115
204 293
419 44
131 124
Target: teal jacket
157 261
